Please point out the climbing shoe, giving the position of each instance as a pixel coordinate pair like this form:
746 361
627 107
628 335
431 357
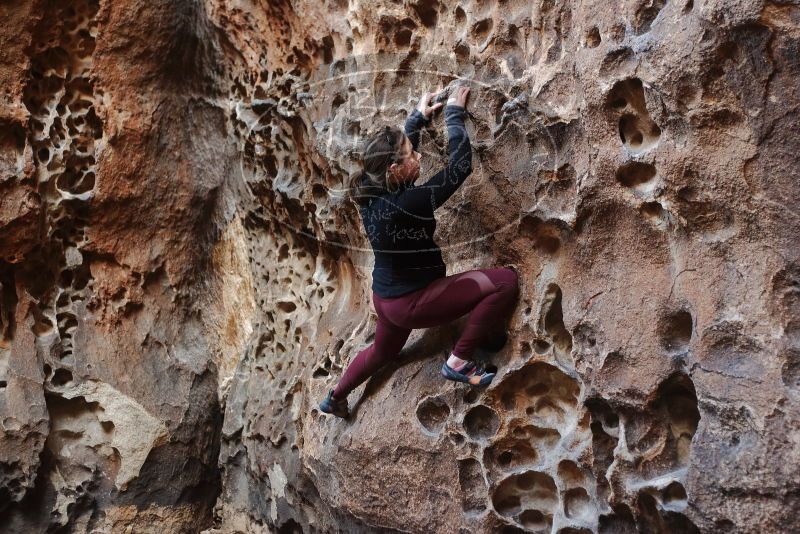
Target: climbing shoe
473 373
334 406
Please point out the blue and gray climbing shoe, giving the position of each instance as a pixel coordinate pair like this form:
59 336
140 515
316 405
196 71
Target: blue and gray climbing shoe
337 407
473 373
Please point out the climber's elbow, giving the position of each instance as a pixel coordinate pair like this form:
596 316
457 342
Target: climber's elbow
464 166
458 170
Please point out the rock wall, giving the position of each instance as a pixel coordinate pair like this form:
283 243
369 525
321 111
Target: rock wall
182 278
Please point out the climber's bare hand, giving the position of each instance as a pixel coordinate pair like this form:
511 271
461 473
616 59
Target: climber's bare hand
425 106
459 97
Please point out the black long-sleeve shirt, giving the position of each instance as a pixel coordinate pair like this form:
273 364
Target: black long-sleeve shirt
400 225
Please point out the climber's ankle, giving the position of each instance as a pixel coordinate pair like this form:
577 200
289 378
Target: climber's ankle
455 362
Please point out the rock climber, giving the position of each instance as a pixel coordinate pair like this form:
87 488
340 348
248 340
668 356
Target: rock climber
409 286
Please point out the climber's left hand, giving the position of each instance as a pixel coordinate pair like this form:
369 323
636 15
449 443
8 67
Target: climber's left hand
424 103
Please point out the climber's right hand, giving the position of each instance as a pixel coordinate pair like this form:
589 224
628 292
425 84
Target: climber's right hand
459 97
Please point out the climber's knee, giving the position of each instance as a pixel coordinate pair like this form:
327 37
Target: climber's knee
509 281
514 275
485 284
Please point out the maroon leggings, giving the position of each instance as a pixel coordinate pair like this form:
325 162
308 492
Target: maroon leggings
488 295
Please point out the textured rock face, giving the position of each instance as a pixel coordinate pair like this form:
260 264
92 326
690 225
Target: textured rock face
182 279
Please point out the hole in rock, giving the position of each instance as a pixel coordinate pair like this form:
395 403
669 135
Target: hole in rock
286 306
432 414
593 37
61 377
536 521
427 11
509 400
75 182
528 490
509 505
473 486
648 518
290 527
790 370
510 452
570 474
283 252
456 438
535 390
603 444
319 192
320 372
66 321
619 103
654 210
636 129
620 521
541 346
527 480
481 29
554 325
636 174
81 280
552 393
577 504
549 411
645 15
602 413
545 236
402 38
460 16
677 395
675 331
677 522
481 422
629 131
674 493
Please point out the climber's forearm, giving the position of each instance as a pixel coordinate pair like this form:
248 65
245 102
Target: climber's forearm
459 165
414 123
457 138
422 200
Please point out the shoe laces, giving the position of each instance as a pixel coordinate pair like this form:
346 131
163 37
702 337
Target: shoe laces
475 368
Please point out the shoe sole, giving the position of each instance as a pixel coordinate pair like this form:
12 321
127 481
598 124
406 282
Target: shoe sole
324 408
458 377
343 415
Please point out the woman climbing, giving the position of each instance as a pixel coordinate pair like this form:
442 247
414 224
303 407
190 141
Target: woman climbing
409 286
